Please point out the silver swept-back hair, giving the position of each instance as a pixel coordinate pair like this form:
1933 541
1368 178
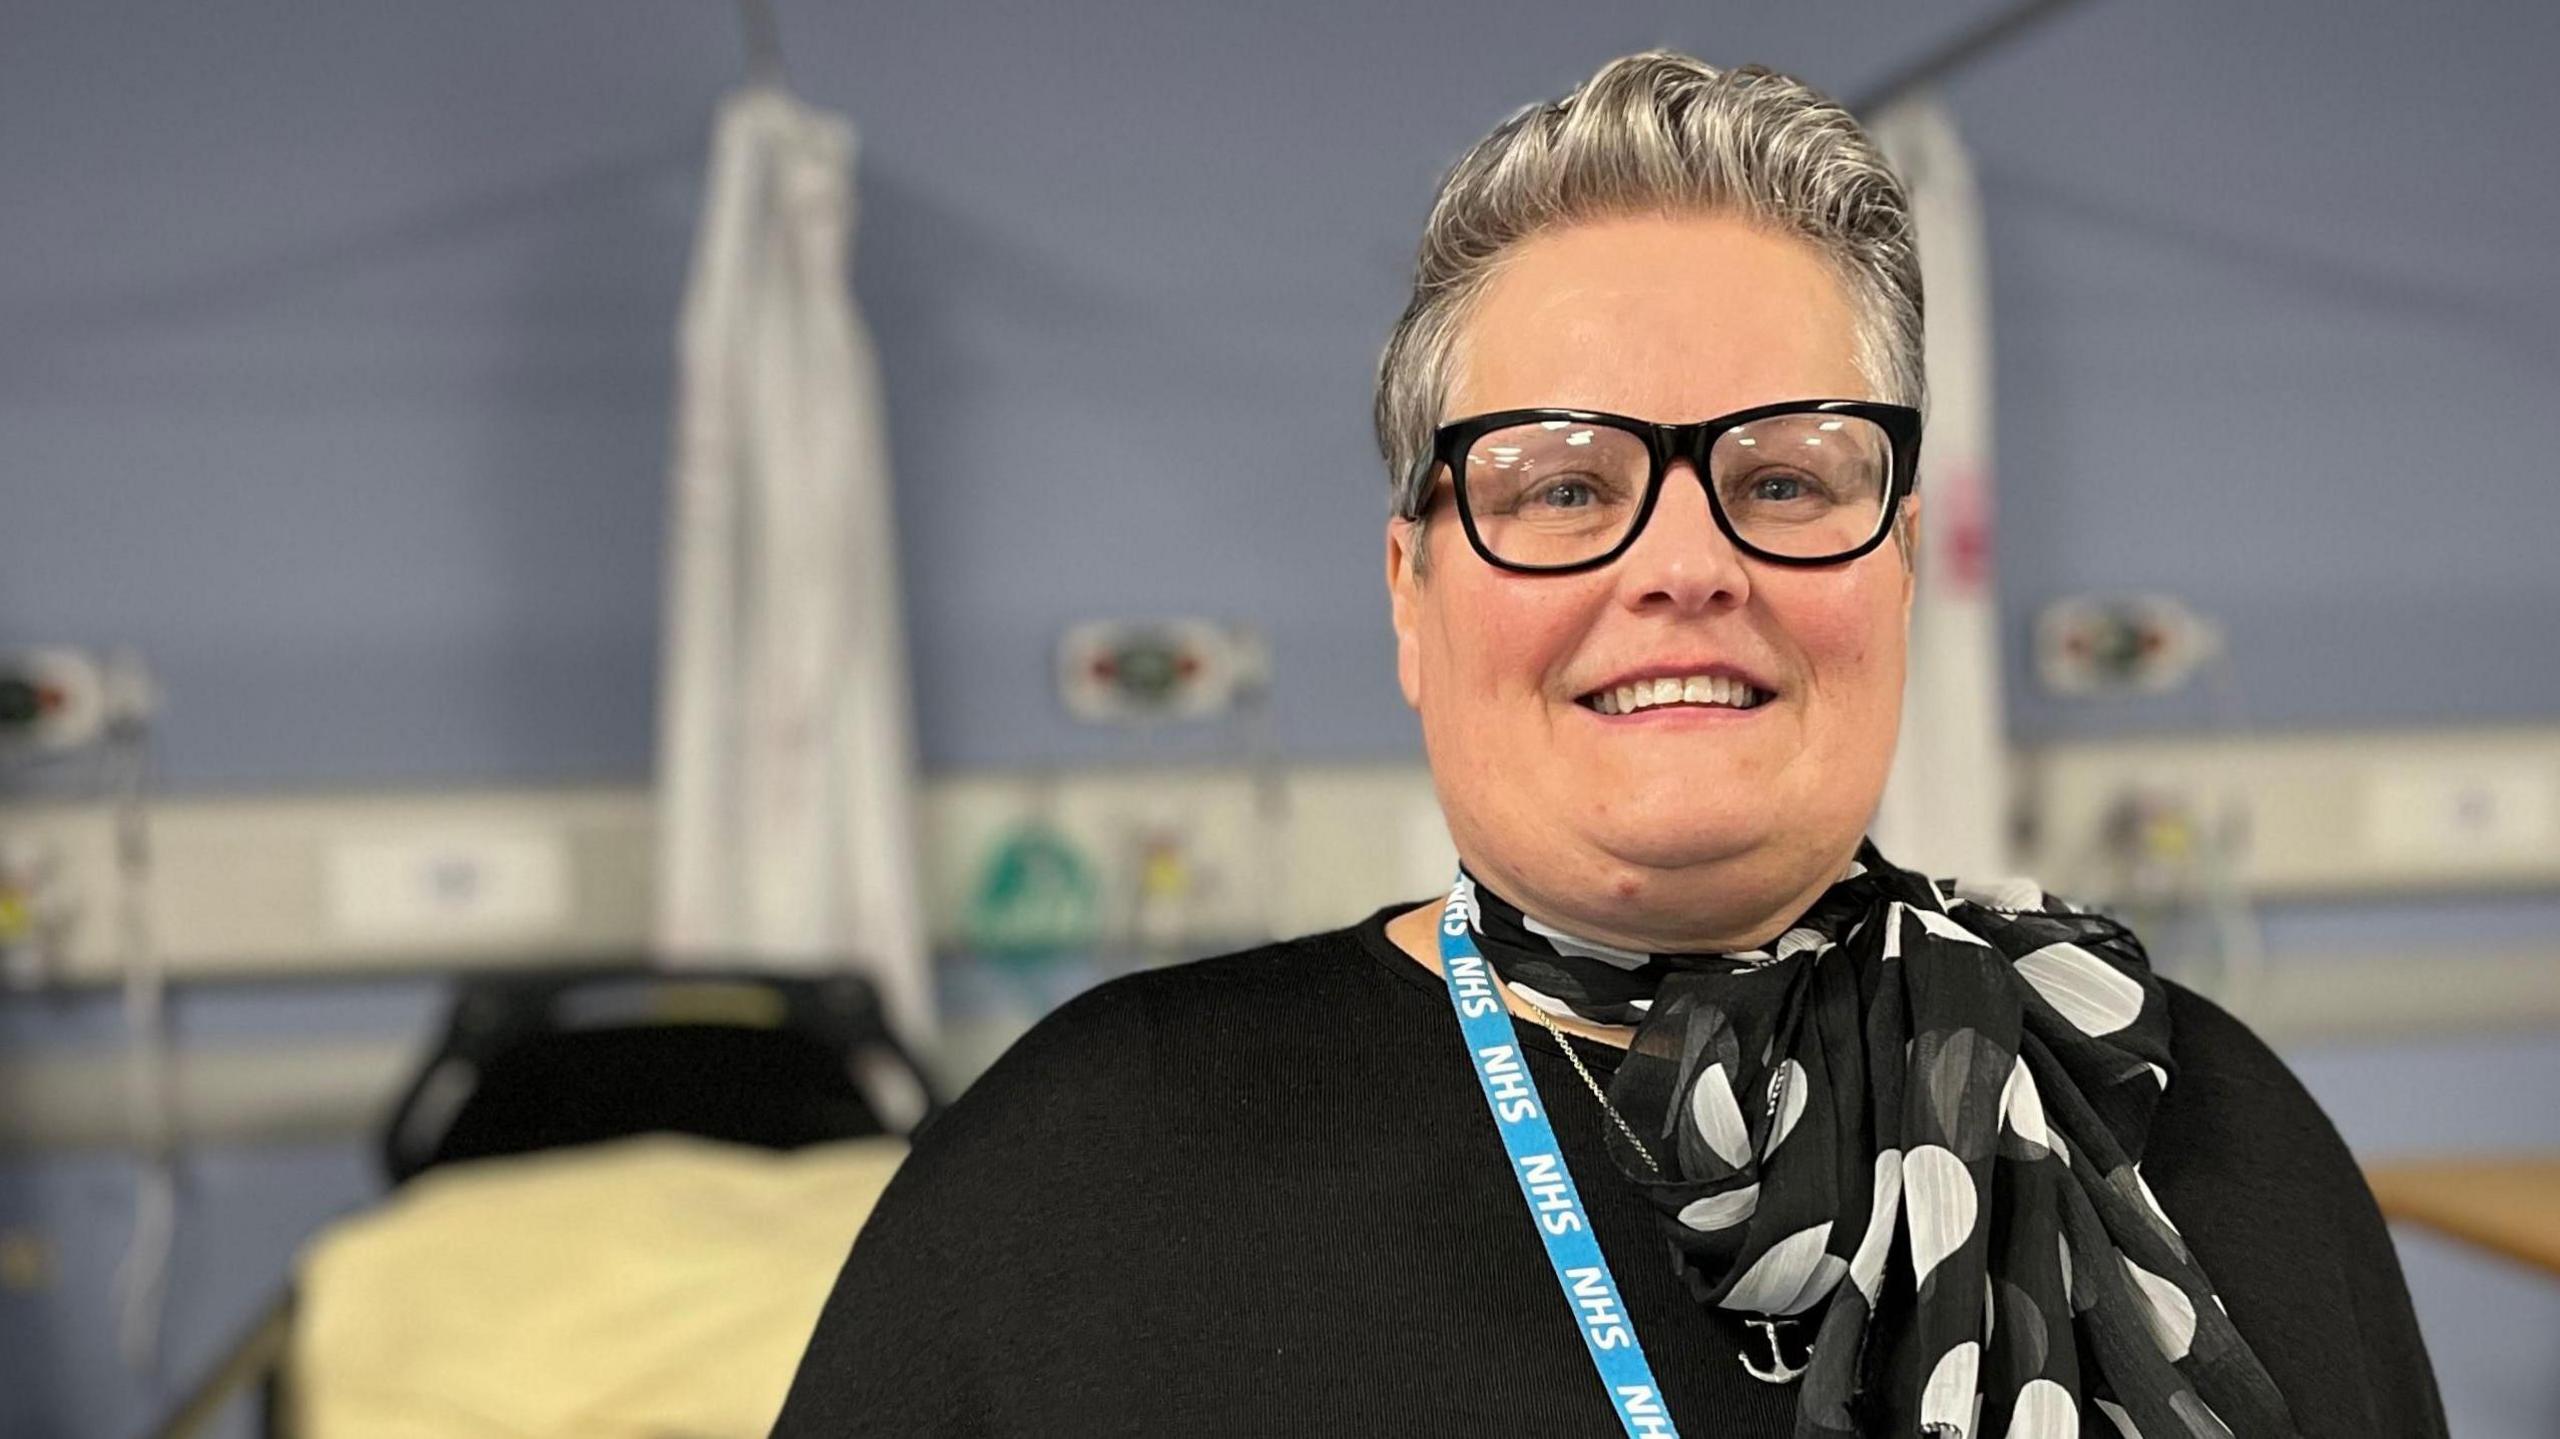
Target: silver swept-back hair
1657 133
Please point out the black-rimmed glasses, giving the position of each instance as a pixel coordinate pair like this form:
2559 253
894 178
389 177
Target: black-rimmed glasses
1803 482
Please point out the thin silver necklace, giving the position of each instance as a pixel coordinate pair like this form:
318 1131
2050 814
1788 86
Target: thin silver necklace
1565 1043
1772 1328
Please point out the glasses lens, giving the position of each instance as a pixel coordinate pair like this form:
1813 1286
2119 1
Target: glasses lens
1555 492
1804 486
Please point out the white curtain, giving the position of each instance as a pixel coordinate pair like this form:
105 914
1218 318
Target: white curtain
786 768
1946 804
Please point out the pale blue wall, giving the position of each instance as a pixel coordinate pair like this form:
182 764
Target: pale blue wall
333 342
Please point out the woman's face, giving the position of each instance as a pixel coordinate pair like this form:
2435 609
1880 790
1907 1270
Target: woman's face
1687 827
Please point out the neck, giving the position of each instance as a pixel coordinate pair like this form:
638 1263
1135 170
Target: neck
1734 907
1417 933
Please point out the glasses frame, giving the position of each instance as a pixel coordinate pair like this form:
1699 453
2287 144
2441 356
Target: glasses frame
1669 444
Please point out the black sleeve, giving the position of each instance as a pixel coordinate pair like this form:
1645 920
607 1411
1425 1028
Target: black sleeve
2279 1213
950 1292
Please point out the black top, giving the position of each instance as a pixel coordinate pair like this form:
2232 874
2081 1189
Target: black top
1261 1194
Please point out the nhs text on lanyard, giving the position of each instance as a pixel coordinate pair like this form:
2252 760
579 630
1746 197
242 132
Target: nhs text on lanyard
1537 1161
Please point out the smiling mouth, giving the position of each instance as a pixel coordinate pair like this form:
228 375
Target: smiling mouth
1692 691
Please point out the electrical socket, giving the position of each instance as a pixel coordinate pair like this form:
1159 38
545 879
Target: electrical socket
420 887
2464 808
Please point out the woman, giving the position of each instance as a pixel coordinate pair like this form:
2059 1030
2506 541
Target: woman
1799 1142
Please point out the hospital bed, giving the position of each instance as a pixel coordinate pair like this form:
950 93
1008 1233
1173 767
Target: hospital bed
543 1094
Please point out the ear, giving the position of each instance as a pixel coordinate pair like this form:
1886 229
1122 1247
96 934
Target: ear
1910 544
1404 603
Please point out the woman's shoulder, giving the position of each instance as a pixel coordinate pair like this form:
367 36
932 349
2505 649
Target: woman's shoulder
2234 1096
2257 1178
1138 1067
2236 1127
1132 1031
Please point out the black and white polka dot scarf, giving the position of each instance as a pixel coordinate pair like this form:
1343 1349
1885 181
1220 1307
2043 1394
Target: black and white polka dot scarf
1914 1126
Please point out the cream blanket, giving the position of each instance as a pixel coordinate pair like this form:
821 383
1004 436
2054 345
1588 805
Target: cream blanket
643 1289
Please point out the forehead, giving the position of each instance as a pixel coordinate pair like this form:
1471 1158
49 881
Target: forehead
1661 317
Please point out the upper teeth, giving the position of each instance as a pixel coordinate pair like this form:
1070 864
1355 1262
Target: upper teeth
1694 689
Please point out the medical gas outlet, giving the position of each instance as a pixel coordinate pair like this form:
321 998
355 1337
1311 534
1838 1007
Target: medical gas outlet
1136 672
51 700
2142 644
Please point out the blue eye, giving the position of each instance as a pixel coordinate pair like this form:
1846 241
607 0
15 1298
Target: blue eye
1568 495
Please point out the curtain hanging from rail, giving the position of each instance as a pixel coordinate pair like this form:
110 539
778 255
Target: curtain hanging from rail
786 787
1946 804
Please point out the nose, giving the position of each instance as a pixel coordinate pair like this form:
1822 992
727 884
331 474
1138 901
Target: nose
1682 562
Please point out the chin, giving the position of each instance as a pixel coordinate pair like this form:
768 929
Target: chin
1683 847
1670 828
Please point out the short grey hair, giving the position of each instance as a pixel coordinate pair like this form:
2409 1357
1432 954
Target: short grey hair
1657 133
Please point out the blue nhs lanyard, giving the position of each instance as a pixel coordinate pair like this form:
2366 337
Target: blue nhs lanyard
1537 1161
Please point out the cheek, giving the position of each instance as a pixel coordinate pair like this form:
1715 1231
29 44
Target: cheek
1497 635
1851 636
